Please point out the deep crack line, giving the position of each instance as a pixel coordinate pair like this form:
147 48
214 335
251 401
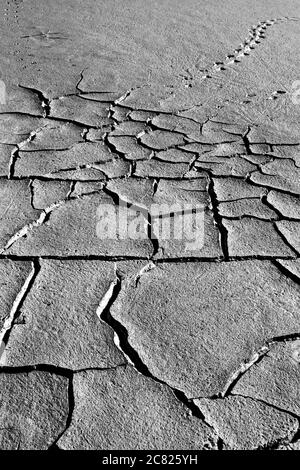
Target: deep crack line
45 102
27 228
273 445
71 405
284 239
13 158
235 377
285 271
121 339
223 233
255 359
44 217
53 369
120 333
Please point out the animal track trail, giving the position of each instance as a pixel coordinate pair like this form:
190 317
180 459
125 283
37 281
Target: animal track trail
11 11
257 33
11 15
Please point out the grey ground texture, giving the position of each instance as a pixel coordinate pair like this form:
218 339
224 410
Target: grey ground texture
149 342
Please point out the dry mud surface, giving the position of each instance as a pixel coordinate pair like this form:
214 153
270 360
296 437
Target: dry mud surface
149 342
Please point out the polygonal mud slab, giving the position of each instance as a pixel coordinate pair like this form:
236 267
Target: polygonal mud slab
215 150
130 147
21 100
247 424
231 189
86 187
275 379
258 159
233 166
122 409
59 324
16 210
79 174
53 135
16 128
95 135
87 112
129 128
251 237
287 205
160 169
291 232
47 162
46 193
287 151
246 207
202 150
161 140
279 174
194 324
178 188
175 123
119 113
289 184
115 168
212 132
175 156
147 98
135 191
164 193
189 233
273 133
180 220
89 225
140 115
34 408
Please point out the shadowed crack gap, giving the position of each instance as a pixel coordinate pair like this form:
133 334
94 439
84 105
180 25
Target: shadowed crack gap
284 239
285 271
247 142
255 359
218 219
60 371
12 163
71 403
17 304
55 370
45 102
31 188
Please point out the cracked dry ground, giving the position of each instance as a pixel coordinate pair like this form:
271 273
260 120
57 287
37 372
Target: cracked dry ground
145 344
